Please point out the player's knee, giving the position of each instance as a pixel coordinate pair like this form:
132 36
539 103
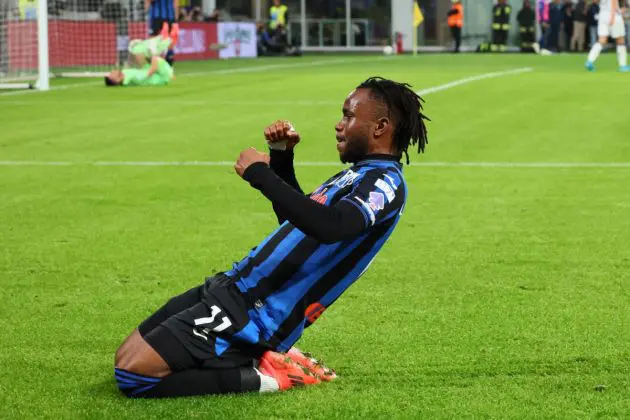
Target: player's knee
133 385
126 356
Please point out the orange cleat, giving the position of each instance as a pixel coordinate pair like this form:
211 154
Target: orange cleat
315 366
285 371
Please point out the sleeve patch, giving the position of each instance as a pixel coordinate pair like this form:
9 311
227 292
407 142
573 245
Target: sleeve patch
377 201
386 188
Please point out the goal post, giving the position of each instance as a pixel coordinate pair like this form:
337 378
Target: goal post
43 69
42 39
24 45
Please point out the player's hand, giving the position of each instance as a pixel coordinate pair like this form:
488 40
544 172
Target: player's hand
612 20
282 132
249 157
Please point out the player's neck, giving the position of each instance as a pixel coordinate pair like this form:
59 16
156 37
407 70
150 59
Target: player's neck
379 156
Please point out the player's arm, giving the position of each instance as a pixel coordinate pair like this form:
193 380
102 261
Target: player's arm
327 224
155 62
282 139
147 5
281 163
176 9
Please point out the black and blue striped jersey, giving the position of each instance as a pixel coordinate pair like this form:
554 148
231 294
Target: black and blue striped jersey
292 277
162 10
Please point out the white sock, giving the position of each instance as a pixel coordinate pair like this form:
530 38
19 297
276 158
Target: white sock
622 55
267 383
594 53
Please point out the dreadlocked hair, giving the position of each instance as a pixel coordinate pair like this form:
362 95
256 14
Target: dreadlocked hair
405 107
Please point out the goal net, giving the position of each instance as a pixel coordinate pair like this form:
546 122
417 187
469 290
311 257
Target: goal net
84 38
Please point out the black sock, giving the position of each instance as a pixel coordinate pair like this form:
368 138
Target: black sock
189 383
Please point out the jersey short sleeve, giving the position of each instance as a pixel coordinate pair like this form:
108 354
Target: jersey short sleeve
380 195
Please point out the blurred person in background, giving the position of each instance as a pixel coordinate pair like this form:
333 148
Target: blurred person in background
625 11
593 19
500 25
455 21
526 19
274 43
28 9
196 15
161 12
214 17
543 21
278 15
567 24
556 17
579 26
610 25
184 16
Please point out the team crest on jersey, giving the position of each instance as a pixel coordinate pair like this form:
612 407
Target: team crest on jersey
377 201
347 179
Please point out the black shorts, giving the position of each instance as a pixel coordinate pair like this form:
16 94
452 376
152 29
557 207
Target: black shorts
157 23
190 329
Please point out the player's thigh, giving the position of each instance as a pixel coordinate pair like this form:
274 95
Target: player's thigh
603 31
173 306
201 336
618 29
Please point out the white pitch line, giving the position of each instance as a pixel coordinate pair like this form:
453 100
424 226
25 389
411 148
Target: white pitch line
225 163
423 92
250 69
471 79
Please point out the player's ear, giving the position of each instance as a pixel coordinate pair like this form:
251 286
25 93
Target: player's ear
382 125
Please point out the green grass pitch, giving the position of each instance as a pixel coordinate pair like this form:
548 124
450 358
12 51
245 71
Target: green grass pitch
503 293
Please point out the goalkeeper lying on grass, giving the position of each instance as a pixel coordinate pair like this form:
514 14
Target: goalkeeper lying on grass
158 73
149 68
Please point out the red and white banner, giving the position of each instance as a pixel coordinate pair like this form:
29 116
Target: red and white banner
195 41
94 43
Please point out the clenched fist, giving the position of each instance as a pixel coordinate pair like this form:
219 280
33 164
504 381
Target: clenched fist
247 158
281 136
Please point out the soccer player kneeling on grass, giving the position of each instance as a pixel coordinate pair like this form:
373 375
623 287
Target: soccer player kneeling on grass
235 332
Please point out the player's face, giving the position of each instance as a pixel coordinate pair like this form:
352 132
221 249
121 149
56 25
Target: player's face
116 76
353 131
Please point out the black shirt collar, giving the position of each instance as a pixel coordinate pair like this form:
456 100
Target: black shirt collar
377 156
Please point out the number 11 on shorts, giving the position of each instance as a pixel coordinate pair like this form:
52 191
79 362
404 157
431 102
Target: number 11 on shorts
206 323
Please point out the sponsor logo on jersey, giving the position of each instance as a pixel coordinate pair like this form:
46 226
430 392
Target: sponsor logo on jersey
376 201
386 188
347 179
